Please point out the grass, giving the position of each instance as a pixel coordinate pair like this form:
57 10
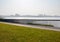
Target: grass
11 33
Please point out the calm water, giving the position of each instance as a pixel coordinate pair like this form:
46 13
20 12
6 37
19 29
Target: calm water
55 23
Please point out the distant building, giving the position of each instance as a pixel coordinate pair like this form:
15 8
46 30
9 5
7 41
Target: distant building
17 15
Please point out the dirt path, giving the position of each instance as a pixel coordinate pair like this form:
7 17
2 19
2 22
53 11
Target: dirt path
32 26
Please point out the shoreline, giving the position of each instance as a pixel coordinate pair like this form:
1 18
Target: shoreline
33 26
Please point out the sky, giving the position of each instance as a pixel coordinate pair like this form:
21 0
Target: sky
29 7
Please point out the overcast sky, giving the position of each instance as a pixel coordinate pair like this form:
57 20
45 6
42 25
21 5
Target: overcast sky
33 7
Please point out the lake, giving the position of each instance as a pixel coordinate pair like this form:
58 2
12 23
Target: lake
55 23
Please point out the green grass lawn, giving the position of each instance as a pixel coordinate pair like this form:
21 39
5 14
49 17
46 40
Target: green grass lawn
11 33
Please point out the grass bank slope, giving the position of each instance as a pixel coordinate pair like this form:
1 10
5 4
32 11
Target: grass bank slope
11 33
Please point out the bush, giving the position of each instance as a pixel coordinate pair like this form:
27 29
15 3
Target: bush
41 24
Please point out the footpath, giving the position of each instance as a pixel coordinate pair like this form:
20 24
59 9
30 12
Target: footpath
33 26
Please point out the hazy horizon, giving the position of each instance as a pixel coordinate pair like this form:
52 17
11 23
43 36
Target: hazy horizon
32 7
